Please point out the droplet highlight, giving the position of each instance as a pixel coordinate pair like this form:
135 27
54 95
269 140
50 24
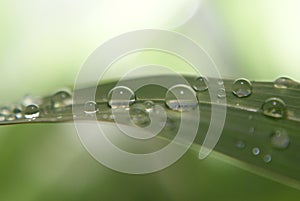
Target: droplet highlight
120 96
90 107
31 112
255 151
284 83
274 107
242 88
267 158
61 99
181 98
200 84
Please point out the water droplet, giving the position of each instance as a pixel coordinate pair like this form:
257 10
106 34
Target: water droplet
2 117
139 116
120 96
255 151
200 84
284 83
17 110
5 111
61 99
221 93
31 112
240 144
149 105
220 82
90 107
274 107
280 139
267 158
10 117
181 98
242 88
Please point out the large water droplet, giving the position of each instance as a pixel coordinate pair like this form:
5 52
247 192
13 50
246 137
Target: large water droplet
120 96
181 98
284 83
90 107
31 112
242 88
280 139
255 151
139 116
61 99
274 107
200 84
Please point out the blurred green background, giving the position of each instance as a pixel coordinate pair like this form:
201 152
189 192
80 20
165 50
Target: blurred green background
43 45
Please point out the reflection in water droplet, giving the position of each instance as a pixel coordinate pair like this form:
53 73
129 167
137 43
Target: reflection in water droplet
267 158
255 151
61 99
240 144
139 116
148 105
284 83
90 107
221 93
274 107
31 111
242 88
200 84
280 139
181 98
120 96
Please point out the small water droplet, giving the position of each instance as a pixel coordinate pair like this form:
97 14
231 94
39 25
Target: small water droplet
255 151
2 117
267 158
120 96
5 111
280 139
181 98
90 107
242 88
274 107
17 110
31 112
221 93
284 83
139 116
149 105
240 144
200 84
220 82
61 99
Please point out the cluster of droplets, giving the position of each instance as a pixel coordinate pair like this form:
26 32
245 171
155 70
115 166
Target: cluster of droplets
30 108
